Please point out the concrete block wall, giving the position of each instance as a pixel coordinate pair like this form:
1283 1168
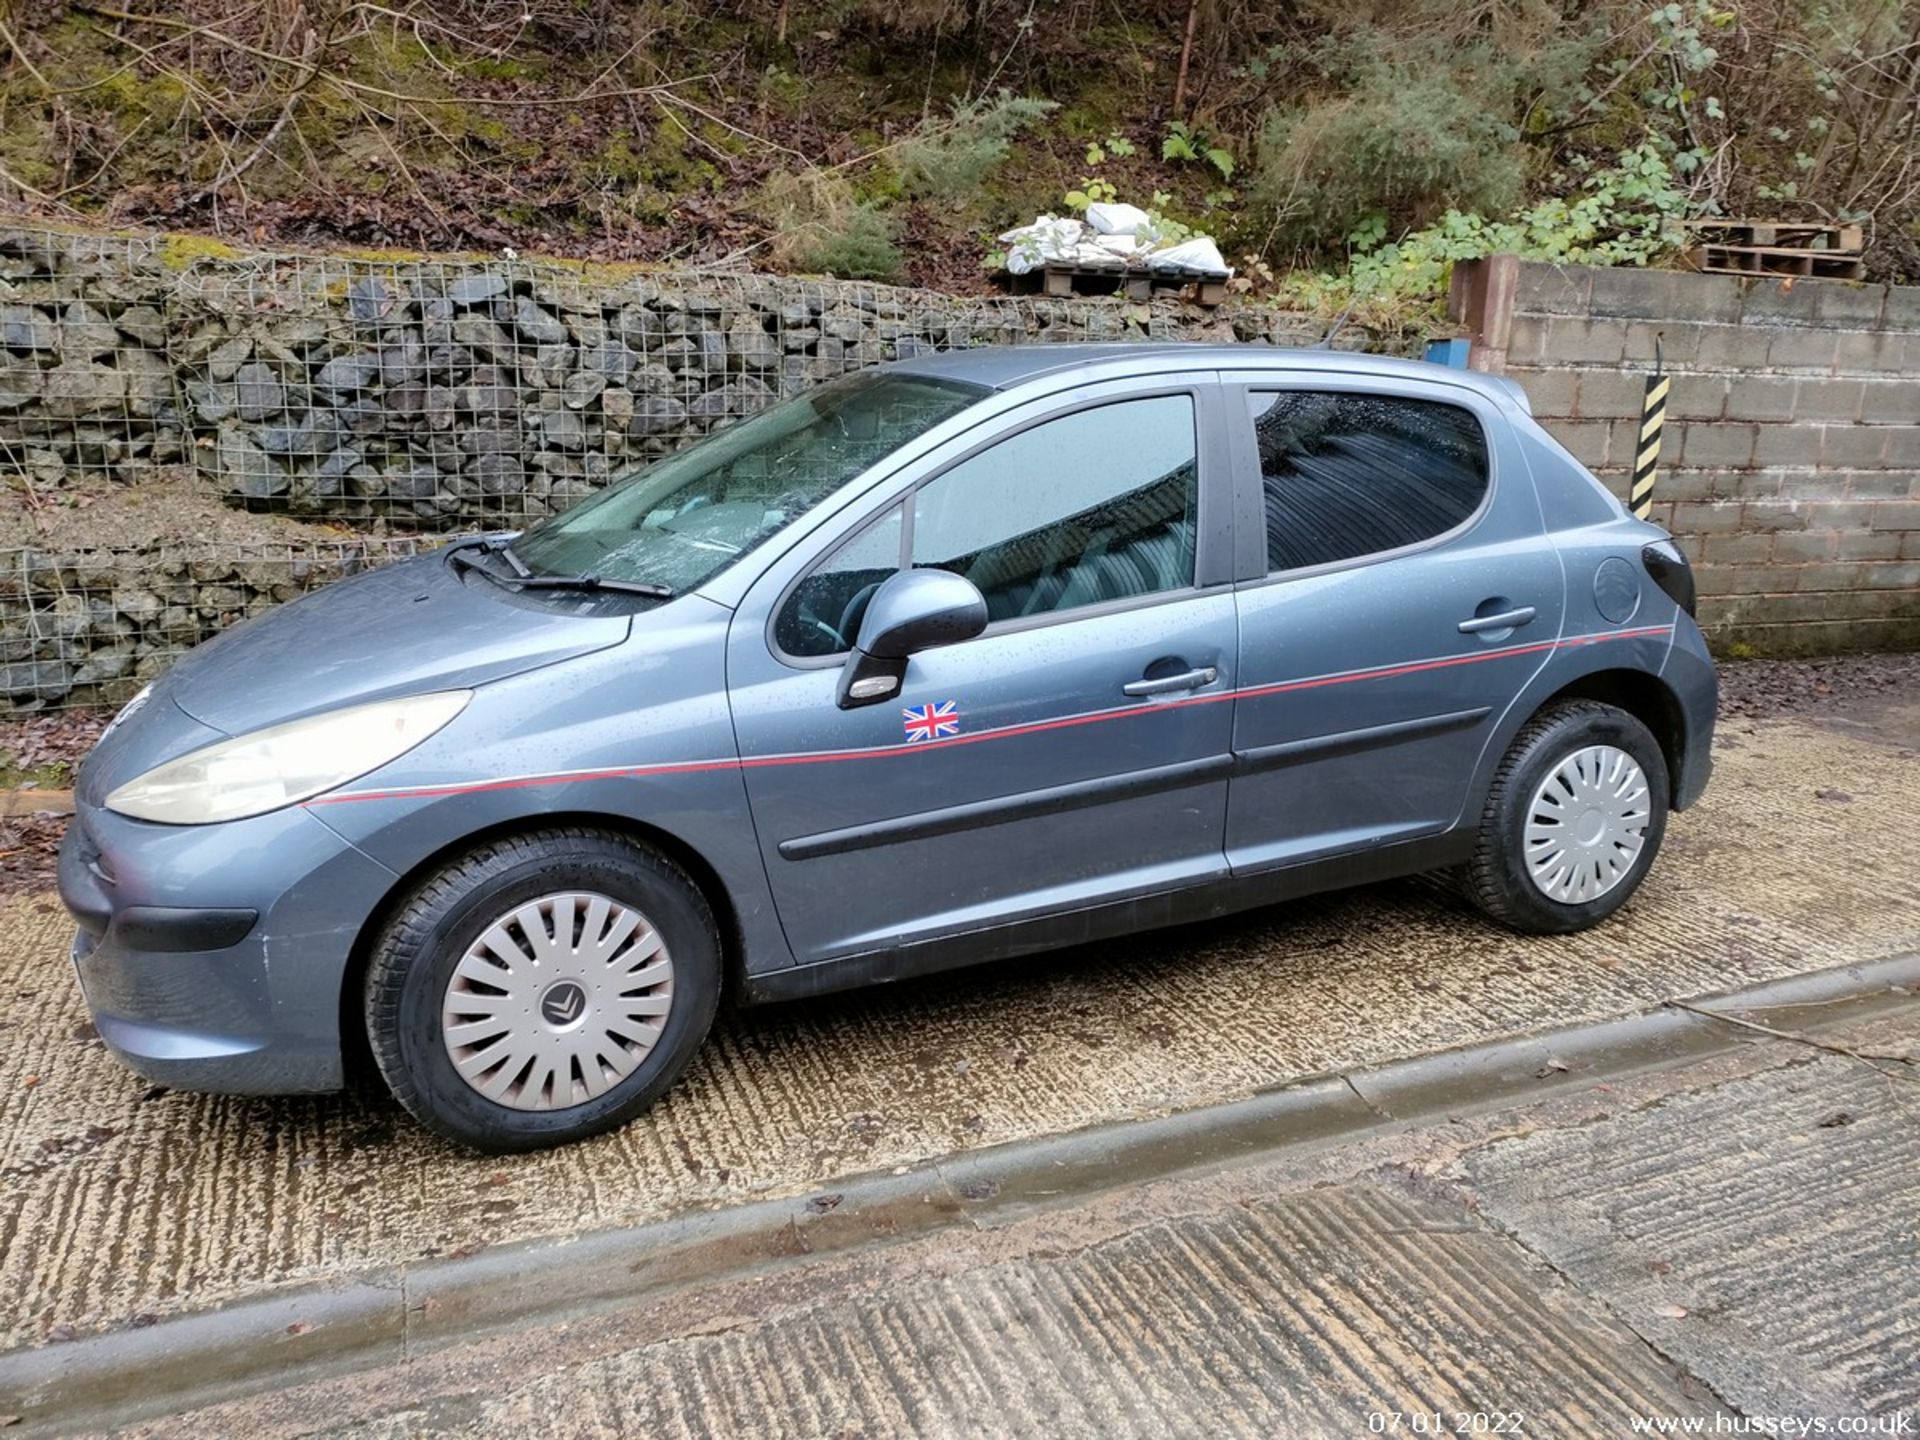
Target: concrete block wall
1790 467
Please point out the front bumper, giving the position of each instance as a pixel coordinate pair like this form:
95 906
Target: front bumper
212 957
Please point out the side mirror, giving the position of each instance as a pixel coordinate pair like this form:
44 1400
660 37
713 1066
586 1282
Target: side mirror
913 610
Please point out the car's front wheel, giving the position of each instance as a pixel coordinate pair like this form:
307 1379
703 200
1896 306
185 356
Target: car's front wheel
1573 820
542 988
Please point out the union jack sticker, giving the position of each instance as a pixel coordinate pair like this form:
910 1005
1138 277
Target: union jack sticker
933 721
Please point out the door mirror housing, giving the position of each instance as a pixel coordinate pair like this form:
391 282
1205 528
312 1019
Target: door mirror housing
913 610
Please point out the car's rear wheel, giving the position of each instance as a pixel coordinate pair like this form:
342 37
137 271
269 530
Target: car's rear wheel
542 988
1573 820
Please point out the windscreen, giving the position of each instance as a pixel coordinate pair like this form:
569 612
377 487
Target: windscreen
681 521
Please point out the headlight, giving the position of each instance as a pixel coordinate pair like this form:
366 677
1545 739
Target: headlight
284 764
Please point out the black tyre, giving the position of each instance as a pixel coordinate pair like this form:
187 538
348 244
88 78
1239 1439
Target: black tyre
542 988
1573 821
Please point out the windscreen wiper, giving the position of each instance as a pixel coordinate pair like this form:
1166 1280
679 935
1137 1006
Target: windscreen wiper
524 579
588 582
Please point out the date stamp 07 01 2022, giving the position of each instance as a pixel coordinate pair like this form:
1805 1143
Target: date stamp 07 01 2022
1446 1422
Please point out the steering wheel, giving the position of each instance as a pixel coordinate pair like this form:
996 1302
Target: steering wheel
842 635
852 612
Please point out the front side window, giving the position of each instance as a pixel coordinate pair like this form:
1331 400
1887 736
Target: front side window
682 521
1095 506
1346 475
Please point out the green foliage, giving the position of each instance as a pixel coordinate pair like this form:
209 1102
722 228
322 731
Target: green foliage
821 227
1400 141
1330 126
1164 227
1092 190
1670 92
1412 125
1618 215
1097 189
1184 143
946 161
855 245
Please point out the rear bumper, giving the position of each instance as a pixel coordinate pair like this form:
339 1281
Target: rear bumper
1689 673
212 957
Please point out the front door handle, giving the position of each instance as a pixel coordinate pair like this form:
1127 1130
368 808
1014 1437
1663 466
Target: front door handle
1167 685
1505 620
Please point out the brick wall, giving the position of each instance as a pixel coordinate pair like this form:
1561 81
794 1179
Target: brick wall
1790 469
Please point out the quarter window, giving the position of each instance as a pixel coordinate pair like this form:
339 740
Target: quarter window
1096 506
822 616
1346 475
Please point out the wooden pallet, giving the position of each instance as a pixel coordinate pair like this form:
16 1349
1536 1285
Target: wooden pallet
1776 247
1787 234
1773 260
1064 280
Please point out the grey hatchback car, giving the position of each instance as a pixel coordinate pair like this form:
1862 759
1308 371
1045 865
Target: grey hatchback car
959 658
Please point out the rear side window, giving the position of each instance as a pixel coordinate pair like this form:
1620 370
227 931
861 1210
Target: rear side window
1349 475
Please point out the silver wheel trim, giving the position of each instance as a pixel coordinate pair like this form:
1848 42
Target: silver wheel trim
1587 824
557 1001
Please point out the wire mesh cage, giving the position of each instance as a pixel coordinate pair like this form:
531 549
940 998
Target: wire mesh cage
89 627
189 433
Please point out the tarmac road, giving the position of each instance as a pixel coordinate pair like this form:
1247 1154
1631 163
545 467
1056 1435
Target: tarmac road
120 1205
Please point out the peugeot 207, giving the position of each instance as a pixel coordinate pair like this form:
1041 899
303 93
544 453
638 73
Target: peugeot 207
956 659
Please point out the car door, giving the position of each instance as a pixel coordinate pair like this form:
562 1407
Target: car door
1409 594
1073 754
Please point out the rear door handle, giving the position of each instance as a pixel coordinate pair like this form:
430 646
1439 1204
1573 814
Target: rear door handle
1167 685
1506 620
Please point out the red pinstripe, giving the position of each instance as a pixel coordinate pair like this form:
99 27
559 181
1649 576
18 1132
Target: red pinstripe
1007 732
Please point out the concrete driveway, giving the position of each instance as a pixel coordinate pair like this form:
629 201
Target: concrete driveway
121 1204
1646 1252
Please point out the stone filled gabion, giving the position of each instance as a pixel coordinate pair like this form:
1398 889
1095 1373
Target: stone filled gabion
86 379
433 395
91 627
439 394
417 394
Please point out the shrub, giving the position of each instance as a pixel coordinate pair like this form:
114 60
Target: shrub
1404 141
819 225
1619 214
946 160
1412 124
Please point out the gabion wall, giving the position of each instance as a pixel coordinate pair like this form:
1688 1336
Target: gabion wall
396 395
87 628
430 395
86 374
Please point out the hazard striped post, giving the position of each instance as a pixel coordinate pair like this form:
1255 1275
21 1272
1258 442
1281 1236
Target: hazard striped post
1646 460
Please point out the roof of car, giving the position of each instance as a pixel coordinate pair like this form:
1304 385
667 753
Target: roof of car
1004 366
